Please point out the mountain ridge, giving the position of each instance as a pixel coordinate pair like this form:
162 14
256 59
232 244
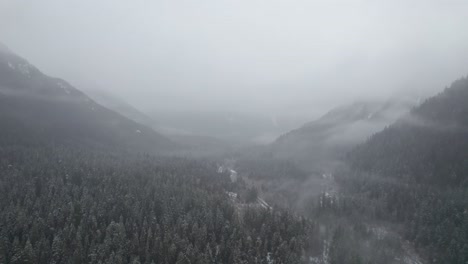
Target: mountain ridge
428 143
324 140
39 107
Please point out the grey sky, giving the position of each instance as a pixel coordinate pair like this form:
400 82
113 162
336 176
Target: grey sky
265 56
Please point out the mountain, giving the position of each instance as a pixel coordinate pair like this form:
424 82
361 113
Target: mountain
320 143
38 109
234 128
118 105
190 144
413 174
428 145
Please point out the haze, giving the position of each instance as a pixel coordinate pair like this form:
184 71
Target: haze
272 57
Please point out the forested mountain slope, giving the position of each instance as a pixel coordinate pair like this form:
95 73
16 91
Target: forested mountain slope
118 105
322 142
415 174
37 109
429 145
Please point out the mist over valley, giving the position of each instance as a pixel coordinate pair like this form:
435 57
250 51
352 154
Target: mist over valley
175 132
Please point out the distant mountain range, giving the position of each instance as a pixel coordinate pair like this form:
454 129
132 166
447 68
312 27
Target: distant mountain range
231 127
321 143
38 109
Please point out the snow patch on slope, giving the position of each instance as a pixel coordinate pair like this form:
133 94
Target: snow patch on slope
24 68
64 87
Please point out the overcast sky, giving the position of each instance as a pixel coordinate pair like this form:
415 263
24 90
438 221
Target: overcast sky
265 56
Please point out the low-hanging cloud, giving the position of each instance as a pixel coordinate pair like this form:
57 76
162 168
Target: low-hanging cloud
260 56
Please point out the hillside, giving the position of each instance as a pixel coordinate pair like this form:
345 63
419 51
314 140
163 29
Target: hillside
320 143
429 145
117 104
37 109
414 174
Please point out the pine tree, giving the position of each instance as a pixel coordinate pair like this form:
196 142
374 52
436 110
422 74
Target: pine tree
17 256
28 253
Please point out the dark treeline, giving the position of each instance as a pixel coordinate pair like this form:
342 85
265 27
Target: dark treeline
64 206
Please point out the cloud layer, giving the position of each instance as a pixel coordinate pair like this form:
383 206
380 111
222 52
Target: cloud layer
263 56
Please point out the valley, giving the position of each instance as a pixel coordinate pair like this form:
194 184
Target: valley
233 132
